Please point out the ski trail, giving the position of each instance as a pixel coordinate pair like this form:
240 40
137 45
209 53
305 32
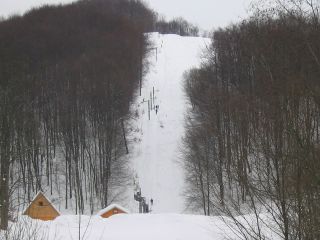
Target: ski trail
155 156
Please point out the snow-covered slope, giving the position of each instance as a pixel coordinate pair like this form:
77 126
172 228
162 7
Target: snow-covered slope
134 227
155 152
121 227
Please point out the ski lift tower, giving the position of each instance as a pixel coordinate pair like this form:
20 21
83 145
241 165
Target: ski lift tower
143 206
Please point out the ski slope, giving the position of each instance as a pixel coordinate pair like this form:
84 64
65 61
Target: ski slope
155 153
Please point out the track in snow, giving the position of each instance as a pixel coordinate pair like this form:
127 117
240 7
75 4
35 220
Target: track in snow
156 149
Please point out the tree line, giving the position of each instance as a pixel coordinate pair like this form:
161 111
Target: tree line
178 26
67 77
252 142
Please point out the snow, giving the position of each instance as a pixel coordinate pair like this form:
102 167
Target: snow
155 155
125 226
134 227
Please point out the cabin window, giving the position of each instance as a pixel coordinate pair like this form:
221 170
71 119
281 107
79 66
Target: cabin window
40 203
115 211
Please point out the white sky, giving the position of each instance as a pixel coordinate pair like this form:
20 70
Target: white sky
207 14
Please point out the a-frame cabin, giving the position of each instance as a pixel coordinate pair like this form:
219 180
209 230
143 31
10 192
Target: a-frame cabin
41 208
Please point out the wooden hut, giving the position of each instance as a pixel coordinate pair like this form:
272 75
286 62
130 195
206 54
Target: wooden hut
41 208
112 210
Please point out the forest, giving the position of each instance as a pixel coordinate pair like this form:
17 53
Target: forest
68 74
67 77
252 141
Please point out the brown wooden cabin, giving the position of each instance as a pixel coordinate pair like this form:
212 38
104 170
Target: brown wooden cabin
41 208
112 210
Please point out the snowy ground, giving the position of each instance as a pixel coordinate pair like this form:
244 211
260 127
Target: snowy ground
155 153
134 227
122 227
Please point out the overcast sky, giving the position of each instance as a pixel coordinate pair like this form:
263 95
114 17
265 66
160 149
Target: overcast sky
207 14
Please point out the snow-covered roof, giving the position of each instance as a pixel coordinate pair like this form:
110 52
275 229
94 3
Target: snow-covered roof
35 197
112 206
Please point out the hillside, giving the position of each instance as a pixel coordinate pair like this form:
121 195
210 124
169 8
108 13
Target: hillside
154 157
118 124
